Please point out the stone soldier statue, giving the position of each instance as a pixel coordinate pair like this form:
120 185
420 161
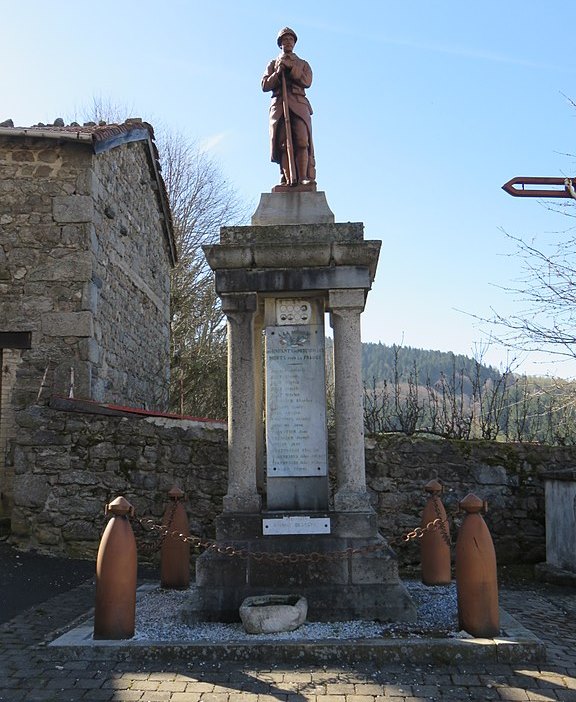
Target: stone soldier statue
287 77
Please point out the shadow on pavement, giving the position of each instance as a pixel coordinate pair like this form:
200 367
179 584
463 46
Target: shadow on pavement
28 578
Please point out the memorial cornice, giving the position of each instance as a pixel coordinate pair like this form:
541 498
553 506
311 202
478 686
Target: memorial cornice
259 256
293 233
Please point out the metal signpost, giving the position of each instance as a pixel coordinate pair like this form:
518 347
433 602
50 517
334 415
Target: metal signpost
566 189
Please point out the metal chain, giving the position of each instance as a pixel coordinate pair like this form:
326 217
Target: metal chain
279 557
164 531
443 529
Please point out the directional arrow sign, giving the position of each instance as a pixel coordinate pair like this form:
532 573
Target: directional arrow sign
523 191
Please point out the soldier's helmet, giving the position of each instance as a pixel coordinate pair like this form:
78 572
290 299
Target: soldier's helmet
283 32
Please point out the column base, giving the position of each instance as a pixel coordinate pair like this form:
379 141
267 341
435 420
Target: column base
242 502
346 500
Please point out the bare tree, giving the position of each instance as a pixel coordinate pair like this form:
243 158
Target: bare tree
102 109
548 292
202 201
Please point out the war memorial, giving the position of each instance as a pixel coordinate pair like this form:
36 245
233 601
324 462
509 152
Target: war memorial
277 279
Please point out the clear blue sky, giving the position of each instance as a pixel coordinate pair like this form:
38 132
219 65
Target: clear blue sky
422 111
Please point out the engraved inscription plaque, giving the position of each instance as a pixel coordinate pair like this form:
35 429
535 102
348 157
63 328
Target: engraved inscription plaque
295 401
296 525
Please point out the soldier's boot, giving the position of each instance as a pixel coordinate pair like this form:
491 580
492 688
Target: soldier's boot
302 166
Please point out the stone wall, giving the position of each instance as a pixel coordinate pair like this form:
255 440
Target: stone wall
84 266
129 292
68 465
9 361
44 256
507 476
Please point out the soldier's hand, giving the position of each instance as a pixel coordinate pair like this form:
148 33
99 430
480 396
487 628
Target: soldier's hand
285 62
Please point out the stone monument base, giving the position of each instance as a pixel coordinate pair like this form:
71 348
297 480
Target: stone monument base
295 256
340 585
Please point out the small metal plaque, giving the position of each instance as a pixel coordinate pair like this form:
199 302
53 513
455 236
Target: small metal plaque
296 436
296 525
290 311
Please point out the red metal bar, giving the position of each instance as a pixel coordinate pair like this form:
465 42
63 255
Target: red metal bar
537 180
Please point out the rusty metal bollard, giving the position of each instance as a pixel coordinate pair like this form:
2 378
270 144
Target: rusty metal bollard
116 573
175 553
435 544
476 578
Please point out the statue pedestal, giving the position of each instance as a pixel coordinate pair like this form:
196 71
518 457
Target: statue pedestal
292 207
277 280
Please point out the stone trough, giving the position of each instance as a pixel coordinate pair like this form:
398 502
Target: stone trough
271 614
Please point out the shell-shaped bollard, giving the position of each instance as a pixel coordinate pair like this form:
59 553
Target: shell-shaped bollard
476 577
175 552
435 544
116 574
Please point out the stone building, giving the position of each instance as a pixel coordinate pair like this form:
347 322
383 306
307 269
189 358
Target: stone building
86 249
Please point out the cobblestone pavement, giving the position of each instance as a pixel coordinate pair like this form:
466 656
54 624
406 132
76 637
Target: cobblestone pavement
31 671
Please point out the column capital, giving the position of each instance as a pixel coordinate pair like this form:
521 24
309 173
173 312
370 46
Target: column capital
239 302
347 298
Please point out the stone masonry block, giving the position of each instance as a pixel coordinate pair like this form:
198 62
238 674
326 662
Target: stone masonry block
268 573
72 208
90 297
30 490
293 233
215 571
75 266
90 350
490 475
68 324
379 567
290 256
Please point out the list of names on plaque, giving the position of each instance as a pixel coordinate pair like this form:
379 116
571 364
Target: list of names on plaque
295 401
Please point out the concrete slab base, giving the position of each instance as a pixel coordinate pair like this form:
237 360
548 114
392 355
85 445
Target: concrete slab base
516 644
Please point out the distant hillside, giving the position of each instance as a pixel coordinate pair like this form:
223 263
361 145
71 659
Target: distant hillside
383 363
453 396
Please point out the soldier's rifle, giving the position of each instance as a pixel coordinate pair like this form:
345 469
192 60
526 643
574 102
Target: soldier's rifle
289 144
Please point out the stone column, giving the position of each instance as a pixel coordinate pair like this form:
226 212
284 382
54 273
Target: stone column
345 307
259 396
242 495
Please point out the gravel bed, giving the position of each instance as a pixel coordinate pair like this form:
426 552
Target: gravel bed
158 619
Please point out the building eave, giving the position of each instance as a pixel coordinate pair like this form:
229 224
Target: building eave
38 133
